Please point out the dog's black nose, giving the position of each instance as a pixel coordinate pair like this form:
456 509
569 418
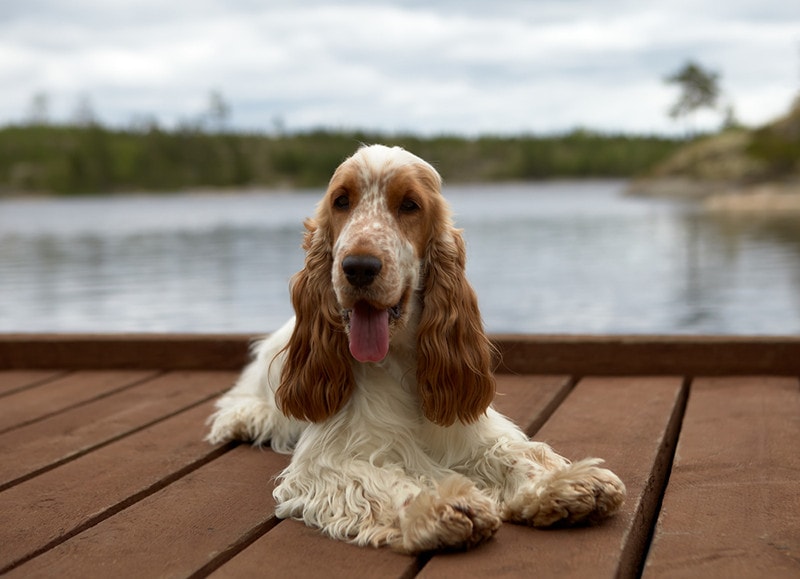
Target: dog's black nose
361 270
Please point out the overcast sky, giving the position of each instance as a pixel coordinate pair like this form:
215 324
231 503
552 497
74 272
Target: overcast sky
454 66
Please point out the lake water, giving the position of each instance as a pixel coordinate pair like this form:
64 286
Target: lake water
560 257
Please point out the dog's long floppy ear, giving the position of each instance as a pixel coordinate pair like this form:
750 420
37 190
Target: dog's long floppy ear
316 378
454 374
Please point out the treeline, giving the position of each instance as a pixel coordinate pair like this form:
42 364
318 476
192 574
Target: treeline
97 159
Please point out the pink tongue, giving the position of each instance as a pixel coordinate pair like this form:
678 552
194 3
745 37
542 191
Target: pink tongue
369 333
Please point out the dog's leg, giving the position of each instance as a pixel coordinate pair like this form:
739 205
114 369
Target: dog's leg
454 515
253 419
359 502
531 483
543 489
248 411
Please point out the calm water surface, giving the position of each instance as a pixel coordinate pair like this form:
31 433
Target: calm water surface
562 257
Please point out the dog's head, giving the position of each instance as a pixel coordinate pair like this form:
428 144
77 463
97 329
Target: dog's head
384 264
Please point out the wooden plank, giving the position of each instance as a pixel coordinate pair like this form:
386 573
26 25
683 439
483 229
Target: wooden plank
632 423
286 550
115 351
57 439
177 531
521 354
45 510
732 507
13 380
650 355
529 400
63 393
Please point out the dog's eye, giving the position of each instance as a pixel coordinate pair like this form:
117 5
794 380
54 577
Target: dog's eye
342 202
409 206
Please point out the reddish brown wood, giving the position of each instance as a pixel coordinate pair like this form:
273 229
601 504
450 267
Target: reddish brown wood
57 503
732 508
530 400
627 421
114 351
76 431
62 393
650 355
294 550
13 380
177 531
573 355
117 481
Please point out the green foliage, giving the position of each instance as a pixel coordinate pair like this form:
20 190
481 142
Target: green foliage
699 89
778 145
95 159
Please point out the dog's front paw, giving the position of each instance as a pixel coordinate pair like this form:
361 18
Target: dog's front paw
580 492
243 418
456 516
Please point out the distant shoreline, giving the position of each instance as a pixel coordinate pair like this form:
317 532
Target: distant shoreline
86 160
766 198
262 190
722 196
735 171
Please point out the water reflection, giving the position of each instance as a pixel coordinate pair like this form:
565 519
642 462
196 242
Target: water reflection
220 280
555 257
741 266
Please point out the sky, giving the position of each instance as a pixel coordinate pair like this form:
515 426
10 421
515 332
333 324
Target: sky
461 67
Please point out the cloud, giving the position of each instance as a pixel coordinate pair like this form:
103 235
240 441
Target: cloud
442 66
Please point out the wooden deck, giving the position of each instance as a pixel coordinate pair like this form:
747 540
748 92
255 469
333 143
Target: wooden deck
104 472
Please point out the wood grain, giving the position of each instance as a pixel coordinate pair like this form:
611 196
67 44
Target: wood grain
63 501
520 354
104 471
295 550
72 433
176 531
732 507
14 380
62 393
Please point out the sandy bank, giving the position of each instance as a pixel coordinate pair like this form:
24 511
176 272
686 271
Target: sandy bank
768 198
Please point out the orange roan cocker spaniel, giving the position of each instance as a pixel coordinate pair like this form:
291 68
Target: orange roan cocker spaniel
381 386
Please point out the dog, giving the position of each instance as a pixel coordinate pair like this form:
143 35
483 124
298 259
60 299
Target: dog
381 385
